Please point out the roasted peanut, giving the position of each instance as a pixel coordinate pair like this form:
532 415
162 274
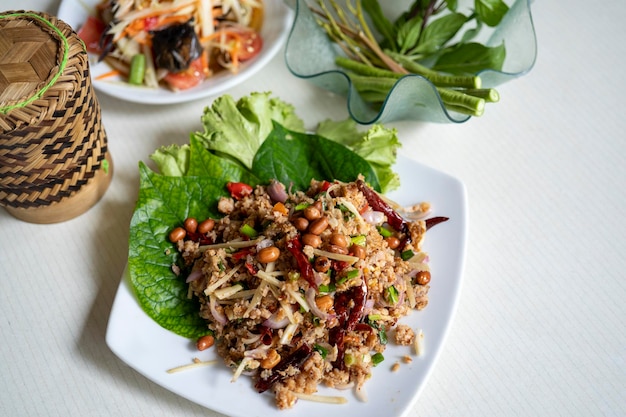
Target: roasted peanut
321 264
205 342
337 249
358 251
191 225
300 223
267 255
324 303
312 213
311 240
393 242
177 234
318 226
423 277
339 240
206 226
271 360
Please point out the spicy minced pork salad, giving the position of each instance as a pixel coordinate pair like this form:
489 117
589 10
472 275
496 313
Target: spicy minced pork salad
300 288
173 43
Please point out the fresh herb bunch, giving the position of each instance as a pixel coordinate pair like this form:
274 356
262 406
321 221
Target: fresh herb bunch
432 39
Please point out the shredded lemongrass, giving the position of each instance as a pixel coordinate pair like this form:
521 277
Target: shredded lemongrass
418 343
287 310
233 244
240 368
256 298
221 281
336 256
288 333
327 399
348 204
241 294
268 278
224 293
299 299
194 364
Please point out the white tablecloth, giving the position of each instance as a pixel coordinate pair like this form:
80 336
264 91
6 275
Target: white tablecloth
541 325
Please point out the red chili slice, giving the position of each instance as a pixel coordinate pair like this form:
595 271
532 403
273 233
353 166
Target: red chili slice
378 204
306 269
238 190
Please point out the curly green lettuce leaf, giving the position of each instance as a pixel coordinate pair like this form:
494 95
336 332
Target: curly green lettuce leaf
378 146
172 160
238 128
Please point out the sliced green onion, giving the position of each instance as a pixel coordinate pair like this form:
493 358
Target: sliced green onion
351 274
137 69
391 294
358 240
248 230
327 288
377 358
407 254
384 231
321 350
301 206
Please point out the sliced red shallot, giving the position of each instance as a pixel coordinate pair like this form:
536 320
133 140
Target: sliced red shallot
218 316
278 320
373 217
196 273
276 191
310 298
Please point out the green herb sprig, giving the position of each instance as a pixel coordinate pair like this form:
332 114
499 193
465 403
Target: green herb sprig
431 39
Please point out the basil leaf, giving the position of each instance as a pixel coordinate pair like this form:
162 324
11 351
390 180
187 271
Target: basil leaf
490 12
409 33
295 158
471 58
440 31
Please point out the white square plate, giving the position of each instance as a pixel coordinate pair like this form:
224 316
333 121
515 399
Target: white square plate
152 350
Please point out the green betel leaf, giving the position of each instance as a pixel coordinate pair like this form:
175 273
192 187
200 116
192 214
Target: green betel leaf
165 201
471 58
295 158
203 163
440 31
490 12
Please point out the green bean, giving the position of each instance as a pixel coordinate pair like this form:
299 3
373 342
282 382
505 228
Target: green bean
489 94
437 78
461 102
137 69
365 70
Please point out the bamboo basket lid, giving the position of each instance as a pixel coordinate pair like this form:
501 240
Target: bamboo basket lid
54 160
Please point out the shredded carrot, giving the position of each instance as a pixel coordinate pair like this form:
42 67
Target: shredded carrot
168 20
108 74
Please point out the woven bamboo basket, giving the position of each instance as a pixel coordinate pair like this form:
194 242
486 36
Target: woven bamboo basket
54 160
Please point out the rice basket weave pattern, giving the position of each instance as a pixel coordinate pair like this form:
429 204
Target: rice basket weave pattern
52 142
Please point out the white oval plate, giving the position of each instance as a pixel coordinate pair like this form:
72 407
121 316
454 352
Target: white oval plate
276 25
151 350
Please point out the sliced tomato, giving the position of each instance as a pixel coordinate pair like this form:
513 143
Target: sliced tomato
91 32
251 44
187 79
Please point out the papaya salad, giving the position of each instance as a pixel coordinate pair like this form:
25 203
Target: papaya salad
173 43
302 289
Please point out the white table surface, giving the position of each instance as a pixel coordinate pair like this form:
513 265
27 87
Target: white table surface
541 325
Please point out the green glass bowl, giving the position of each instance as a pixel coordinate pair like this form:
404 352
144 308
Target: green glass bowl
310 55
